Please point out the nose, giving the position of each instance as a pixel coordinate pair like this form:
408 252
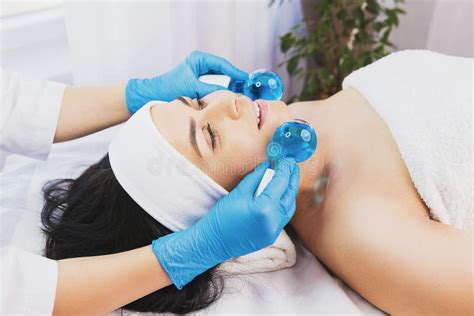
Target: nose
234 107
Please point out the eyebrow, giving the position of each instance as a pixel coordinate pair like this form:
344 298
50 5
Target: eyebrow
185 101
192 136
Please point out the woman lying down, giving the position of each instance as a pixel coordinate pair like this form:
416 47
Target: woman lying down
385 202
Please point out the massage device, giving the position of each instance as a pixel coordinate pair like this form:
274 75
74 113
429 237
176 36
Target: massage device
261 84
293 139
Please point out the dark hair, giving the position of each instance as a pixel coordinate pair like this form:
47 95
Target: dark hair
93 215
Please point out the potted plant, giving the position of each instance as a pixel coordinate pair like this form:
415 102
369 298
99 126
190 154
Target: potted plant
335 38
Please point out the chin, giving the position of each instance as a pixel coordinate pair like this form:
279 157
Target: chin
280 104
279 113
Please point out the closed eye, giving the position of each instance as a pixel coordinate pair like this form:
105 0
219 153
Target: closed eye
213 135
201 103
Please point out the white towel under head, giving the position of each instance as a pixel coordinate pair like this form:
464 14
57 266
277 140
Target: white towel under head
280 255
175 192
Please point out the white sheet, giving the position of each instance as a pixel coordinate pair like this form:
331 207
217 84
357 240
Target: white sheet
305 288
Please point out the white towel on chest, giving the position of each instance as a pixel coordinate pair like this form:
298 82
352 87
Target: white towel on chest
425 98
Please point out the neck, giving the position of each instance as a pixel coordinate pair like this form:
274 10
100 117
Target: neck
320 115
337 121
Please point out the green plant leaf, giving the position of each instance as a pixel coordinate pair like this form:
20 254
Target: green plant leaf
373 6
358 15
286 41
292 65
296 26
399 11
272 2
341 14
324 45
378 26
385 36
392 17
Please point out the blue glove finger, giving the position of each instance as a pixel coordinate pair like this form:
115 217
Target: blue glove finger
291 211
220 65
250 182
279 184
290 195
287 218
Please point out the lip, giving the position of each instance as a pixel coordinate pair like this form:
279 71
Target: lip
263 106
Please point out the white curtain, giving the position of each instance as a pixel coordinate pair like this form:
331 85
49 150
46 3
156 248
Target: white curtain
115 40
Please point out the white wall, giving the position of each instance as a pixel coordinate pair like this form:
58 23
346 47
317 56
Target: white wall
35 44
114 41
444 26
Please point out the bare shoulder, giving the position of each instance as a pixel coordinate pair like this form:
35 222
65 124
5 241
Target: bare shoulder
367 218
384 249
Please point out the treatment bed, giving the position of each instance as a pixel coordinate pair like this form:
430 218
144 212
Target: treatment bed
305 288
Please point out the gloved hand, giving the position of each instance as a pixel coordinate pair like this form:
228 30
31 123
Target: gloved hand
238 224
180 81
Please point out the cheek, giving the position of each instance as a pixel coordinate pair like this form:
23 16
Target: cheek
242 151
278 114
238 160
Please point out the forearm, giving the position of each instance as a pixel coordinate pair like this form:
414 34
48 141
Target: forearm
98 285
88 110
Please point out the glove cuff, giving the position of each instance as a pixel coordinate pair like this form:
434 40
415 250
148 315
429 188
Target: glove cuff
132 99
138 92
183 257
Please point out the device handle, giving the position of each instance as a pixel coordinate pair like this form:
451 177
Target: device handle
267 177
221 80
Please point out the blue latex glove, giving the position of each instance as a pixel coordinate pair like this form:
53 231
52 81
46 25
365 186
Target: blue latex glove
181 81
238 224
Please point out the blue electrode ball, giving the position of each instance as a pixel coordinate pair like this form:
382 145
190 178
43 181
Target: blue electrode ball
294 139
261 84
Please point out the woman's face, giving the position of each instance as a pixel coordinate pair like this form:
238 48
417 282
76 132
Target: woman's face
225 134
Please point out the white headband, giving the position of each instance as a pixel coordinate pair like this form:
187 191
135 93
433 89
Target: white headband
162 181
